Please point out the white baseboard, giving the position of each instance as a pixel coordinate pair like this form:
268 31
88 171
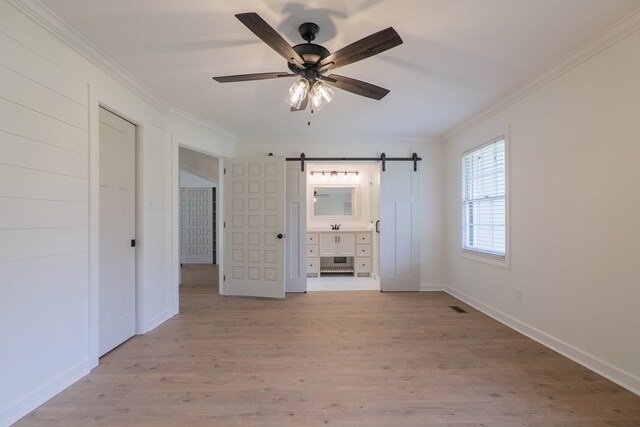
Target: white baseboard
21 408
432 287
619 376
157 321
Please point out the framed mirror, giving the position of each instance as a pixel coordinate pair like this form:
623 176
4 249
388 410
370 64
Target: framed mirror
335 201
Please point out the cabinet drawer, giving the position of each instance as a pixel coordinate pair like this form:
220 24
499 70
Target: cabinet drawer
363 265
313 265
312 251
312 238
364 250
364 238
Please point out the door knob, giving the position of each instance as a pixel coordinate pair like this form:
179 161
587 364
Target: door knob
280 236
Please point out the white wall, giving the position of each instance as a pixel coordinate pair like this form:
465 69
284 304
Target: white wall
190 180
49 98
574 150
430 170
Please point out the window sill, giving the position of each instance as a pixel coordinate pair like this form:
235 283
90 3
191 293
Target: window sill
486 258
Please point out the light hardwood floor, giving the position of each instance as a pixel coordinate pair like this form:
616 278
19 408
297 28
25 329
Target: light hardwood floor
337 358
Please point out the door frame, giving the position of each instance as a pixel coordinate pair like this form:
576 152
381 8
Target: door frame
175 218
375 238
94 221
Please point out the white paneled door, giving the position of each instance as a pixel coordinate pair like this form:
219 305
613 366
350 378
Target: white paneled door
196 225
117 229
254 254
399 235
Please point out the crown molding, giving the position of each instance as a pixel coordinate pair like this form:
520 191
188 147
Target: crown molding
618 31
63 31
341 141
67 34
194 120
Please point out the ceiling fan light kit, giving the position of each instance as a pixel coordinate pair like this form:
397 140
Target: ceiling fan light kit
297 93
310 62
321 94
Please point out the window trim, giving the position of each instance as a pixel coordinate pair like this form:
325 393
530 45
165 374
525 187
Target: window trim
478 255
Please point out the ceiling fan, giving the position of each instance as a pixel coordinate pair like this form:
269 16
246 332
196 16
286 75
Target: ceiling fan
310 62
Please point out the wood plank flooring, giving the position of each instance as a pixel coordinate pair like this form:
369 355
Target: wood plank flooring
334 358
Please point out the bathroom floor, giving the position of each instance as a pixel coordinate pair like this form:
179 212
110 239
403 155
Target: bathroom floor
342 283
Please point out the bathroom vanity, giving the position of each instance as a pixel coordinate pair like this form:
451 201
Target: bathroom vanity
339 252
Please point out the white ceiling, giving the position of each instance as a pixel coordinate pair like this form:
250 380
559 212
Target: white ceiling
458 57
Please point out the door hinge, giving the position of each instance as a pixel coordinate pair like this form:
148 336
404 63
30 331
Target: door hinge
133 243
224 278
225 171
224 224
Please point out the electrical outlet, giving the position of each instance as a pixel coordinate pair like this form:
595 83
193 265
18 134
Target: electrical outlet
519 294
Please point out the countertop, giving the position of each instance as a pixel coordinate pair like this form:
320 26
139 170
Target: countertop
342 230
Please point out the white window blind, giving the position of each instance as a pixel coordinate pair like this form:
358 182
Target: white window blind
484 199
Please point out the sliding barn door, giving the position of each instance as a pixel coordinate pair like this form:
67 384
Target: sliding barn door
254 254
399 228
296 220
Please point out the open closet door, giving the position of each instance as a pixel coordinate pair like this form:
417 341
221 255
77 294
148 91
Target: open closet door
399 229
254 253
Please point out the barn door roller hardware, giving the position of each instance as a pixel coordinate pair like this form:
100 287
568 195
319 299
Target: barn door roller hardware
383 159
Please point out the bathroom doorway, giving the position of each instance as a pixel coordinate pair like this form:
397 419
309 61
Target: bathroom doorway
342 241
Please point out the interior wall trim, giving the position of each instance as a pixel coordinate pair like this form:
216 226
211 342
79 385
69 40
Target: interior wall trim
68 35
432 287
28 403
618 31
339 141
613 373
191 119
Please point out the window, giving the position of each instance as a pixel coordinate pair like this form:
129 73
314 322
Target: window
484 204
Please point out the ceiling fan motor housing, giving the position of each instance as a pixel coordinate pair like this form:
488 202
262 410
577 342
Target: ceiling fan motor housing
310 52
309 31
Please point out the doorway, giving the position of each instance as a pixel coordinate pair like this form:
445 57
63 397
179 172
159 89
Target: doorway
117 218
199 177
343 208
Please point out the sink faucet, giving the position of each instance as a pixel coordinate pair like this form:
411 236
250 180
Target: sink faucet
335 226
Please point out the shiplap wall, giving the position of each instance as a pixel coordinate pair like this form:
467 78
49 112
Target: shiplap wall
49 98
44 189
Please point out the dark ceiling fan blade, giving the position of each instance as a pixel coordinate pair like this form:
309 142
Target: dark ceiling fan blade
249 77
267 34
356 86
363 48
303 106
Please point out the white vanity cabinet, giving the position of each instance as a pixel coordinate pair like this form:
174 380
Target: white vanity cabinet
354 246
313 257
362 263
338 244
